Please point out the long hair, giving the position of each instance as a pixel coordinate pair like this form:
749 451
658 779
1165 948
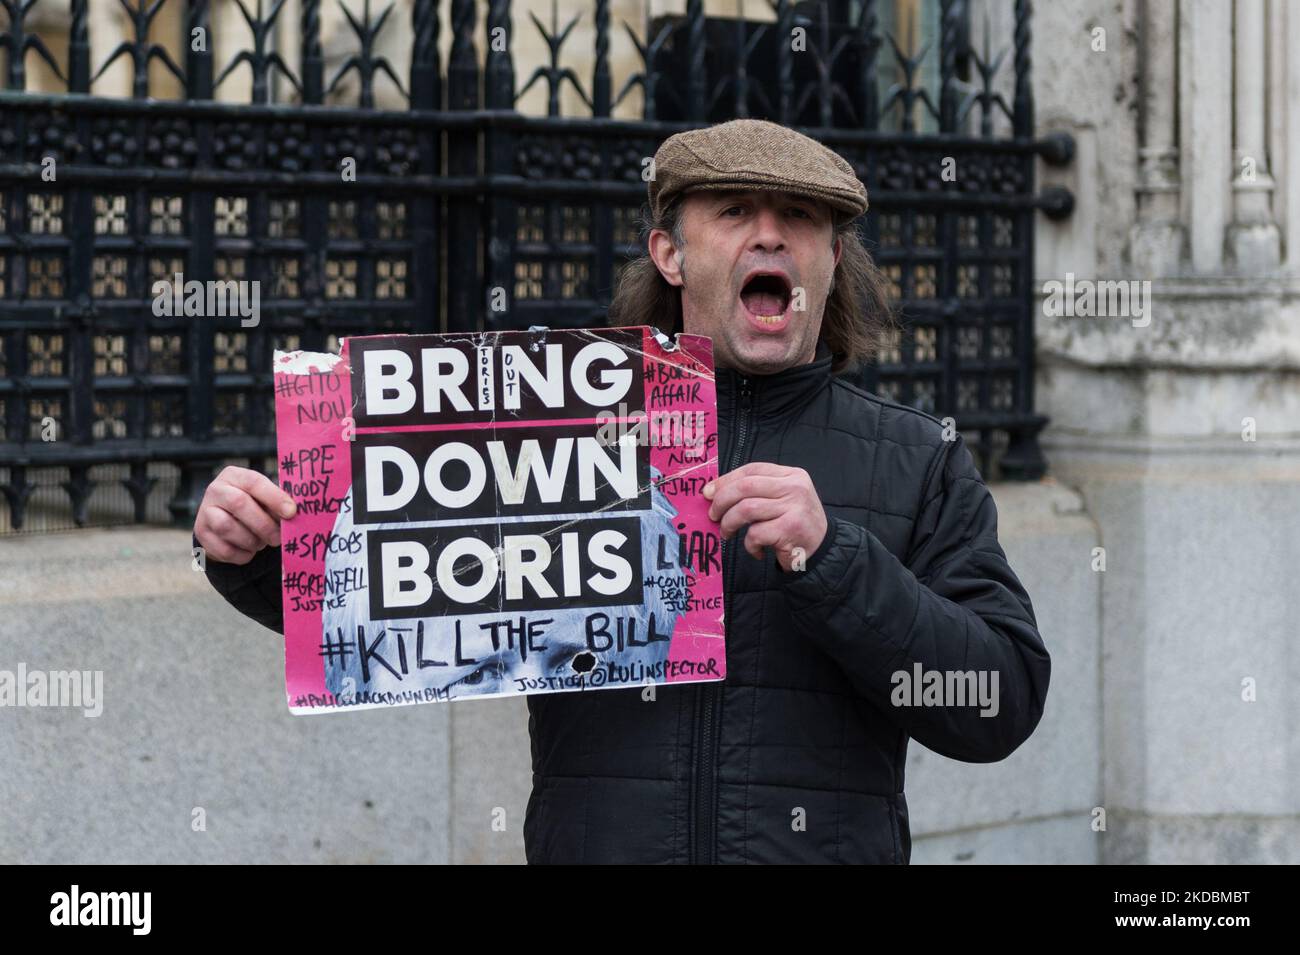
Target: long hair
856 317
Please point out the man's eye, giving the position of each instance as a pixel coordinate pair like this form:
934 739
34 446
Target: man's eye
730 209
802 212
473 678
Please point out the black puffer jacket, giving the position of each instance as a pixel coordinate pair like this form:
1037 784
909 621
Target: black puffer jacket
798 755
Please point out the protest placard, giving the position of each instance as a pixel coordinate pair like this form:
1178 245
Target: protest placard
497 513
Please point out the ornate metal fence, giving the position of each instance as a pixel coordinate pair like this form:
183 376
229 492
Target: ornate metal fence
112 412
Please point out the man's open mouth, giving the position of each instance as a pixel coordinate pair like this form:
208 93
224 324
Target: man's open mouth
766 296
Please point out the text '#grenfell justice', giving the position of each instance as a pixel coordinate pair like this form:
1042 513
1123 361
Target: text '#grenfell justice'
498 513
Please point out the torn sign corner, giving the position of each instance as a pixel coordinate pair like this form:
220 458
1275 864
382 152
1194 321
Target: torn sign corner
666 343
305 362
700 349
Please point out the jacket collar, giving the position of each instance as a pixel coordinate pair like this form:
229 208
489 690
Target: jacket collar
777 393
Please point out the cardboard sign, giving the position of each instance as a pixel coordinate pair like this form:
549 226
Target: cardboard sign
499 513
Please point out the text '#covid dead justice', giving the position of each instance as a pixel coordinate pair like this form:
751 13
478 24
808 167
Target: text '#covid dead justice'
498 513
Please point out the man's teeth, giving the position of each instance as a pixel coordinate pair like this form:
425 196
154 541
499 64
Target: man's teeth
769 319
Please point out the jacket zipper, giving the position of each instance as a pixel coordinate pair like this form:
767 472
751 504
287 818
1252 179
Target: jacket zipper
706 743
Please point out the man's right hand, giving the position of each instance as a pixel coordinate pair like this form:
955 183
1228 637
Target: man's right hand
241 514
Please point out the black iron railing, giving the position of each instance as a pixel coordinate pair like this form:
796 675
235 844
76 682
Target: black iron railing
458 205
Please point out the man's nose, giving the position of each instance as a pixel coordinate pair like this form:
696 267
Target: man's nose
769 233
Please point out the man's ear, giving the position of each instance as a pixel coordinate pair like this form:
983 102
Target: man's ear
666 257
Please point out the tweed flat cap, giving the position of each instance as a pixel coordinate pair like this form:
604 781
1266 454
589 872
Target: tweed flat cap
753 154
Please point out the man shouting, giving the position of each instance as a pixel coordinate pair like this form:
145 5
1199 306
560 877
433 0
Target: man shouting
861 554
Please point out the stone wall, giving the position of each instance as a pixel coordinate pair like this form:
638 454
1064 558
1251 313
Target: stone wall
194 718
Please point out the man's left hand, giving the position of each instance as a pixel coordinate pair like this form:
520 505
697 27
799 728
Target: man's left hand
779 504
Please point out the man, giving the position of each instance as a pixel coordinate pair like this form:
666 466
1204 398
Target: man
870 555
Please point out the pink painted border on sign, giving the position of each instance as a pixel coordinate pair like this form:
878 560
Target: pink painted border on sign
699 635
304 672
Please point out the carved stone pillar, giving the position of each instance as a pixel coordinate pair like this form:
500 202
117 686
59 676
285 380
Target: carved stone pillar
1157 238
1254 243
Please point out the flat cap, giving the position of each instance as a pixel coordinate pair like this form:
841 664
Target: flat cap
753 154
